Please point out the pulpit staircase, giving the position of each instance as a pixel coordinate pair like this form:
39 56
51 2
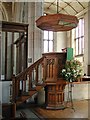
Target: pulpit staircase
45 72
27 83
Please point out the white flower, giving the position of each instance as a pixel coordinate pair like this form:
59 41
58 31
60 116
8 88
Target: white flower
72 70
63 70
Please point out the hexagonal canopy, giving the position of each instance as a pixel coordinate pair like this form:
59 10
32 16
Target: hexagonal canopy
57 22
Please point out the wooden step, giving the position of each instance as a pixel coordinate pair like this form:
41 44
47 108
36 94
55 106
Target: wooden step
31 93
40 86
24 97
27 95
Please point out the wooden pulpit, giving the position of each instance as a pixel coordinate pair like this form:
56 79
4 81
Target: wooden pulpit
54 90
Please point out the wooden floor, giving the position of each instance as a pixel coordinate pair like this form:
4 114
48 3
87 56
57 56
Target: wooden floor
81 111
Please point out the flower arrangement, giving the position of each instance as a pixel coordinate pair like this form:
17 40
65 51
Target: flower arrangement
72 70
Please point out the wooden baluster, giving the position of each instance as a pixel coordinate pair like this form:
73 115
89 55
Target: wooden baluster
16 87
36 79
45 69
17 58
13 88
30 83
24 85
43 78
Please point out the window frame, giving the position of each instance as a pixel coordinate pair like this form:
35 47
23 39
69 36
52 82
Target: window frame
48 42
79 46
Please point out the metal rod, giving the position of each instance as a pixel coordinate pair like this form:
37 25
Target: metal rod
57 6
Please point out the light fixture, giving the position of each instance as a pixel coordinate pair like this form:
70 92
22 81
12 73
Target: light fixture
57 22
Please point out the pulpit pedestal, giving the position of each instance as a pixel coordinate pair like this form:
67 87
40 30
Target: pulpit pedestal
54 90
55 95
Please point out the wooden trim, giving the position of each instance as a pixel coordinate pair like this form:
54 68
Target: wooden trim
9 110
6 80
13 26
30 67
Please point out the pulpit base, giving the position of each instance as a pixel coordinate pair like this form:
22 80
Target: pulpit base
54 95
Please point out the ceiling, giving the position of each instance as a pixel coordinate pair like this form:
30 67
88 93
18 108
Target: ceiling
70 7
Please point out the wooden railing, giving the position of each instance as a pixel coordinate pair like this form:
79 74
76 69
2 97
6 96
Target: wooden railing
27 80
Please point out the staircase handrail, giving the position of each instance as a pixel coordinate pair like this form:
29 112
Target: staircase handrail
23 78
29 68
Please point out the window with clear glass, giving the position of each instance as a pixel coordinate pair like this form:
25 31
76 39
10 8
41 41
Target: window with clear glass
79 38
48 41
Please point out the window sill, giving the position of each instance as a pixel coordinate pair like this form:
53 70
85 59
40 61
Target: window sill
79 55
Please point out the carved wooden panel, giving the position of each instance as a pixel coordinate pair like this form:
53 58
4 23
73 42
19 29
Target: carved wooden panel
50 68
53 64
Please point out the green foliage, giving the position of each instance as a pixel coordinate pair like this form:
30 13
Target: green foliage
72 71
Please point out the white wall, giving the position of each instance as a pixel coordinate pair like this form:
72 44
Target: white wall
86 44
61 41
34 34
87 41
89 34
5 92
79 91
